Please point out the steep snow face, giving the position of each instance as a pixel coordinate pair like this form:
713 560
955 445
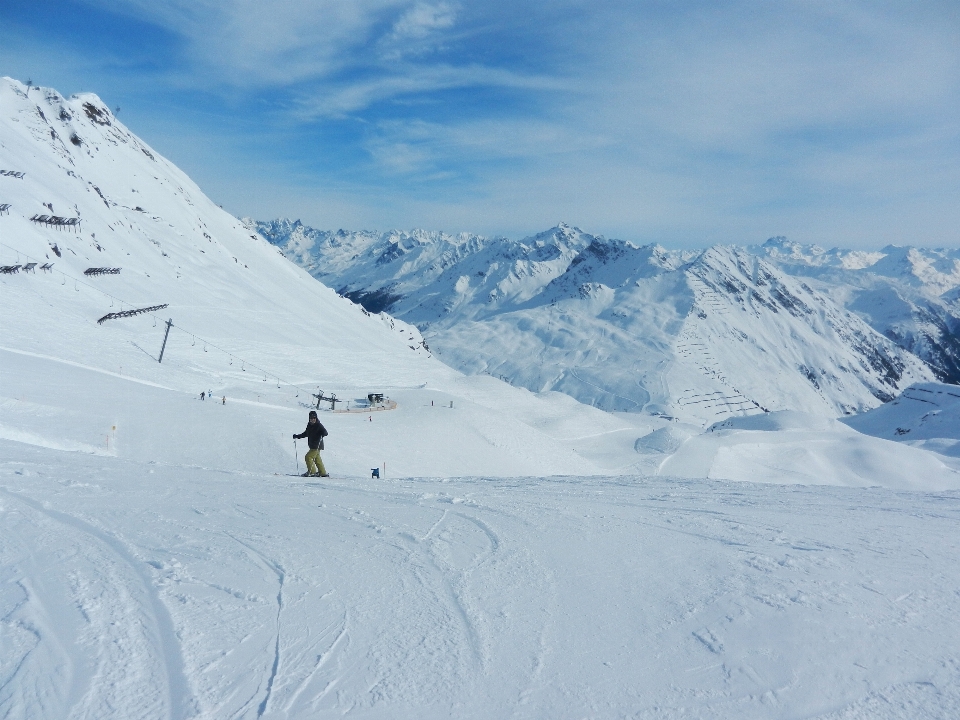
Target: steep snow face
696 336
907 294
84 192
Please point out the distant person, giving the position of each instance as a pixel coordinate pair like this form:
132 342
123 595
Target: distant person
224 399
203 395
314 433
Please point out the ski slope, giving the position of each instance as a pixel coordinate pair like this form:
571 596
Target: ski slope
522 555
141 584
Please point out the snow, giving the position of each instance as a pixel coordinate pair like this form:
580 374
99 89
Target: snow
523 555
697 336
792 447
926 415
140 589
902 292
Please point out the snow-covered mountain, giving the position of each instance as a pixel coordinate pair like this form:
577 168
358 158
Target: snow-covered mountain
96 223
926 415
693 335
908 294
518 556
81 191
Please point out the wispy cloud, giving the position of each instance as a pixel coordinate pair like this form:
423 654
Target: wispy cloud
419 24
640 118
250 43
337 99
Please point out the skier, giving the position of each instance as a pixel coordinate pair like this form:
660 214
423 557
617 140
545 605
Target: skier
202 395
314 432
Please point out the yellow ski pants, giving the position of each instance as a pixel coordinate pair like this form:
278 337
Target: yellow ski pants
314 463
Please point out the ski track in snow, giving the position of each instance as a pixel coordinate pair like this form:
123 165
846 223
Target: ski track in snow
471 597
178 702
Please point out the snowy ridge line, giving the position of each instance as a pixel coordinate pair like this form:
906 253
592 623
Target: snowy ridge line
172 326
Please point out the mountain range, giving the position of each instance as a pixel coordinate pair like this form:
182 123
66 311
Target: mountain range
695 335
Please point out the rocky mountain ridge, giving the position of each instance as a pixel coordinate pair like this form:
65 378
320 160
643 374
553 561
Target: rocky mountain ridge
697 335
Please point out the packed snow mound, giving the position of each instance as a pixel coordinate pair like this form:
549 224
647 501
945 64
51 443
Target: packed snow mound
698 336
798 449
665 440
926 415
774 421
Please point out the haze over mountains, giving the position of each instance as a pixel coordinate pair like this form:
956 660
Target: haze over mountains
698 335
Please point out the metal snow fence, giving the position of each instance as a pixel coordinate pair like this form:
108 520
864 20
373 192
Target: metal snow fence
101 271
56 221
130 313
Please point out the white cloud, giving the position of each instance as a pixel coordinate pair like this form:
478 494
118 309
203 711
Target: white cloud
422 20
406 79
250 43
634 117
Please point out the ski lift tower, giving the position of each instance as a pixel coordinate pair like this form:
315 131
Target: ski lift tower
332 399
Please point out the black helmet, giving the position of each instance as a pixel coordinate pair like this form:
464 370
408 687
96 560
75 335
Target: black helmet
313 413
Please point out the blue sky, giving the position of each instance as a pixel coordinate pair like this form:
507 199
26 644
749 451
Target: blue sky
684 123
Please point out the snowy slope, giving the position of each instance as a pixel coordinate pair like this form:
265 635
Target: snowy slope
157 562
905 293
925 415
155 591
792 447
696 336
248 324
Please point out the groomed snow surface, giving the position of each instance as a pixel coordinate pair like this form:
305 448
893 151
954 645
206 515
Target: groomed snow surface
521 556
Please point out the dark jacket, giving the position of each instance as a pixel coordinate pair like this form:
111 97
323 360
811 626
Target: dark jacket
314 435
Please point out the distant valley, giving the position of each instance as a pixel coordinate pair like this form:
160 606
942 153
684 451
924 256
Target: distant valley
693 335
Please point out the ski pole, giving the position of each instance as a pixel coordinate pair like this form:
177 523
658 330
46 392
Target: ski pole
296 456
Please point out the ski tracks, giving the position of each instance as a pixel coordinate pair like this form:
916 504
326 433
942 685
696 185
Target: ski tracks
128 628
291 672
461 569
